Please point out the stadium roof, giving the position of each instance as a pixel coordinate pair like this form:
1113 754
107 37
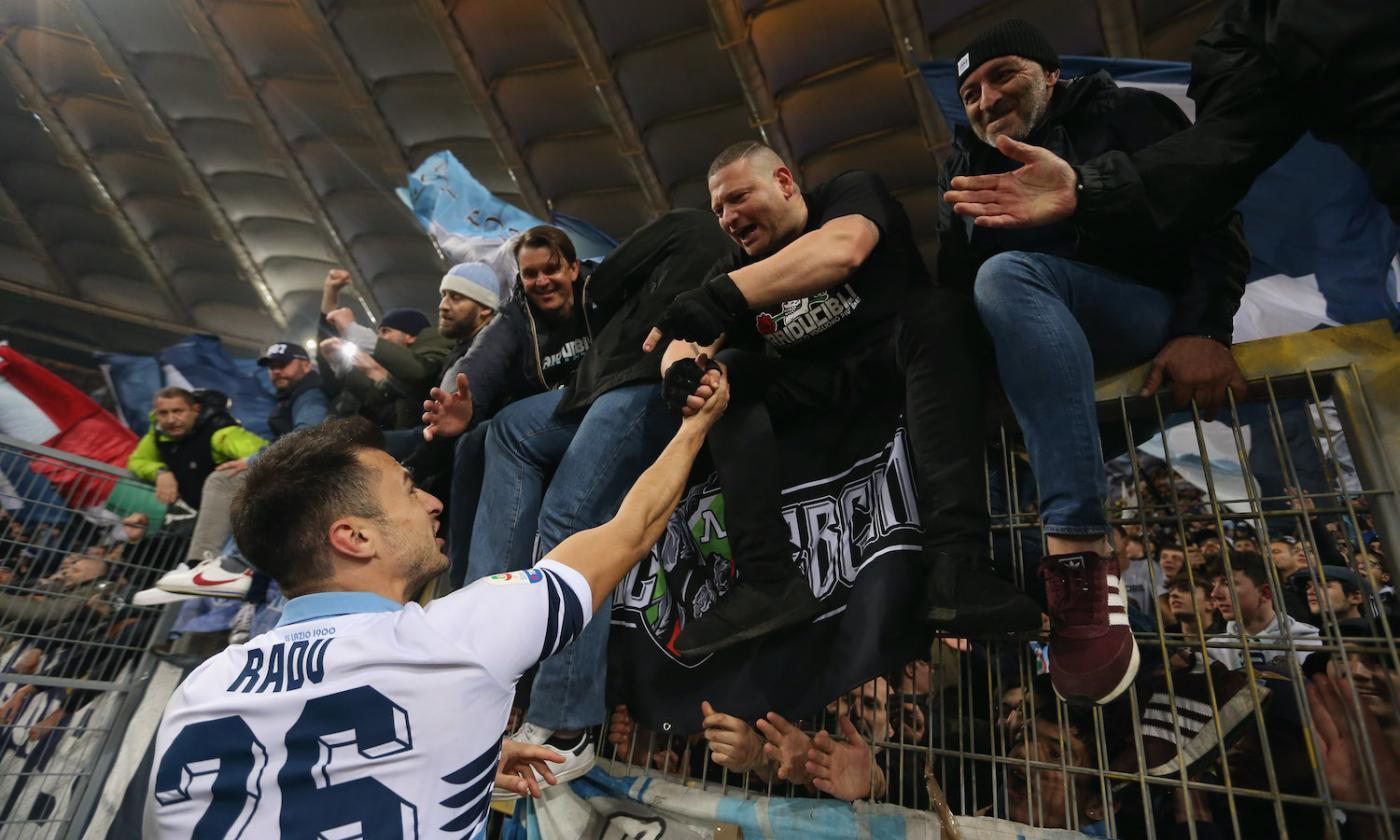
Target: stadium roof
169 166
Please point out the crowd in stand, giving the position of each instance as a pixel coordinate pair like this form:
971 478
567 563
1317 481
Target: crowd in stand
64 614
534 403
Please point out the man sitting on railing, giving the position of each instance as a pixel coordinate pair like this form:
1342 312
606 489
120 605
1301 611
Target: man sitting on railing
210 571
828 308
1059 310
561 461
193 439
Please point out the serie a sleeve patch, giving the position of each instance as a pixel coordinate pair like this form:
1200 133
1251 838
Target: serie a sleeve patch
511 578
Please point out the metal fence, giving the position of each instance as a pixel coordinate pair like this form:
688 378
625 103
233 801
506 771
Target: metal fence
77 537
1288 735
1300 739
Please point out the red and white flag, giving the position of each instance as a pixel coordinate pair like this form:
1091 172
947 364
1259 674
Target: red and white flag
38 407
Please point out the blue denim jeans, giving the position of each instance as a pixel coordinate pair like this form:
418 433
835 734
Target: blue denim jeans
556 476
1054 322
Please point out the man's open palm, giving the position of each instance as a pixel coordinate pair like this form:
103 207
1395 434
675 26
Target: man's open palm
1038 193
448 414
841 768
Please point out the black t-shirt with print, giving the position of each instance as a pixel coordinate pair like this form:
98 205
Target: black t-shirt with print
861 310
562 345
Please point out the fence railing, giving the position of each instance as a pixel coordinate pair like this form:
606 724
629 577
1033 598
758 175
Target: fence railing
1287 728
76 538
1272 731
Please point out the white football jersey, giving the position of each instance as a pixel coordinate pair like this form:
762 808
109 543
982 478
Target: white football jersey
373 724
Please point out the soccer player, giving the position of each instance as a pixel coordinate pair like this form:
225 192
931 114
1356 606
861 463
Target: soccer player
363 714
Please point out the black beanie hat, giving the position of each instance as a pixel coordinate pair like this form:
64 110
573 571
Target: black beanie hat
406 320
1009 37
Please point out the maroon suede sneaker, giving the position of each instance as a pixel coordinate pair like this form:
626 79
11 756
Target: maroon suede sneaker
1093 657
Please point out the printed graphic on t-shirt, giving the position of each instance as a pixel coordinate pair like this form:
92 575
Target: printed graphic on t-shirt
800 319
570 353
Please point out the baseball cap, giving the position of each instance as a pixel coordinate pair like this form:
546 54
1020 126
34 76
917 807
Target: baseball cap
1346 577
281 352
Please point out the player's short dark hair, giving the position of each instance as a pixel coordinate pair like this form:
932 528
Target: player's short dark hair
552 239
175 392
737 151
295 489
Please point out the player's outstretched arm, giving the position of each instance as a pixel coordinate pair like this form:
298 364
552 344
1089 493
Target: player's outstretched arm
604 554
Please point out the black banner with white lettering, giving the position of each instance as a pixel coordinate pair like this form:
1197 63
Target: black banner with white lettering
850 507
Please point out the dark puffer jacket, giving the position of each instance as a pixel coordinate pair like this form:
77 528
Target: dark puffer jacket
1087 117
1262 75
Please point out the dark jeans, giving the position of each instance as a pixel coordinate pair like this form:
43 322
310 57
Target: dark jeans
937 356
468 466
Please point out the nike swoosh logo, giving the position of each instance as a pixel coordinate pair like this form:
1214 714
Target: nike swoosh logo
201 580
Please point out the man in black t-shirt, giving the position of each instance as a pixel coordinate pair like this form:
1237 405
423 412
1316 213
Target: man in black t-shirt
826 279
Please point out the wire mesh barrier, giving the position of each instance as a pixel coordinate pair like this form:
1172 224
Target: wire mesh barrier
76 538
1256 553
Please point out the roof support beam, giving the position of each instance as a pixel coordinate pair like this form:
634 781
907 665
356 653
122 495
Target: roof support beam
8 329
1122 36
10 212
399 166
231 73
470 74
122 315
159 129
349 76
911 47
595 61
733 34
37 101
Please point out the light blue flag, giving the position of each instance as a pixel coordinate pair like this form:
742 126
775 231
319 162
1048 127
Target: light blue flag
449 202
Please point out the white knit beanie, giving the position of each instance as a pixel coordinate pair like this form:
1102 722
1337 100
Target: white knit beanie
474 280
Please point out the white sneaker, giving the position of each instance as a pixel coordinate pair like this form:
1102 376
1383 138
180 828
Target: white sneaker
208 578
241 630
154 597
577 761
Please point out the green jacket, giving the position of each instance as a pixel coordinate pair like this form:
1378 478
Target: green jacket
229 444
413 370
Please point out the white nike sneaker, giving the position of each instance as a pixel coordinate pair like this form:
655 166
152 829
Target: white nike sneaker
155 597
577 761
209 578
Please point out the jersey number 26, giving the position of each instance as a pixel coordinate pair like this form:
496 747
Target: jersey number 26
313 804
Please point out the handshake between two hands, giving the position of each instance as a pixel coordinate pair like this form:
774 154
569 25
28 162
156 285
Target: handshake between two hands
694 388
689 385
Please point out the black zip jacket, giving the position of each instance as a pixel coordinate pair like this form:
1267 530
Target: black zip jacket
1087 117
631 288
623 298
1264 73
